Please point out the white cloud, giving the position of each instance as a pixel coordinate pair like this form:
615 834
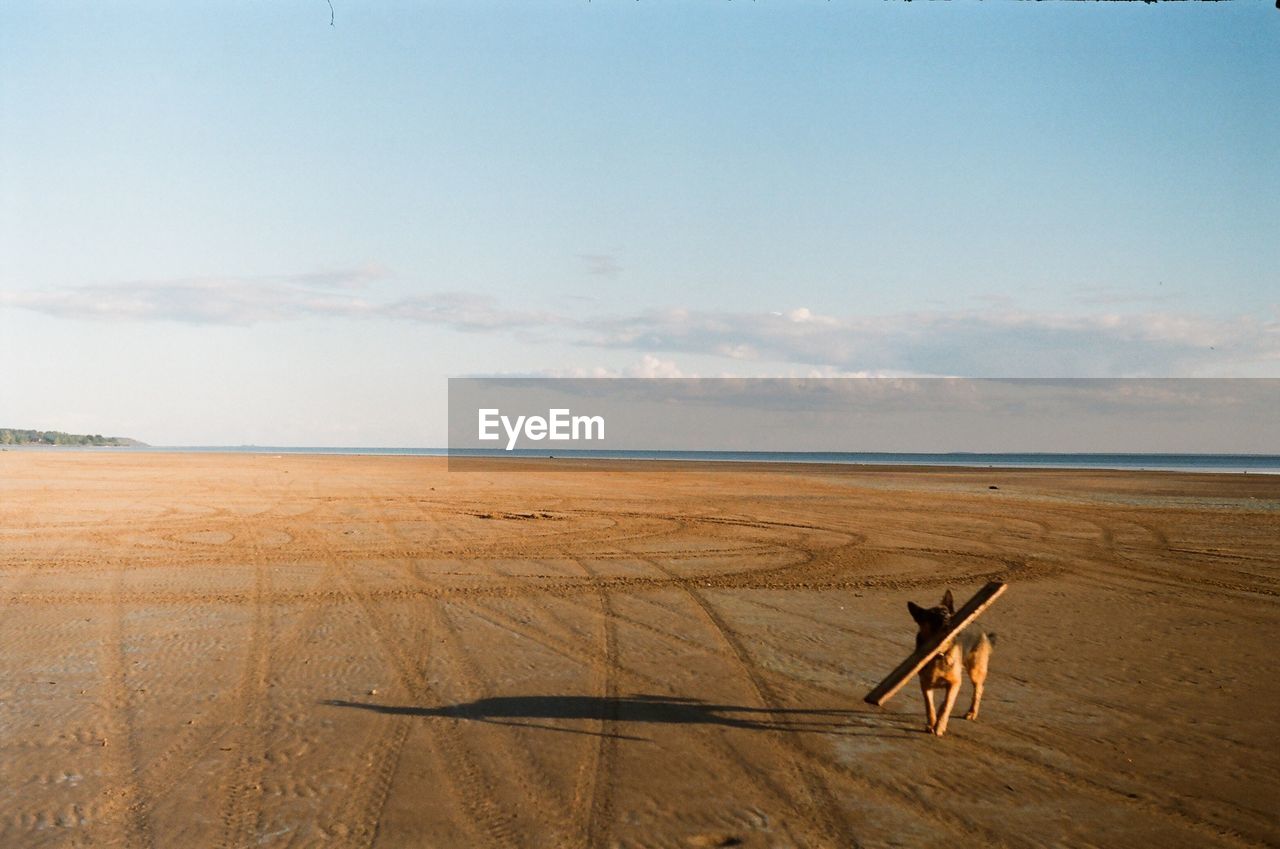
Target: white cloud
211 300
464 311
651 366
993 342
648 366
969 343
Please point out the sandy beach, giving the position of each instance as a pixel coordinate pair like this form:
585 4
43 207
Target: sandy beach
234 650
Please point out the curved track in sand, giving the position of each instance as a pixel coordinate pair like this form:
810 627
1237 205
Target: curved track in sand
235 650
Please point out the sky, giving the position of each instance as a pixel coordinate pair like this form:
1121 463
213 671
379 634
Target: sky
229 223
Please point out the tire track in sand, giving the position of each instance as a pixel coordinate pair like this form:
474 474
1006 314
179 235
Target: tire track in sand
120 740
168 769
594 791
989 752
820 805
366 807
489 825
242 788
592 802
820 762
583 817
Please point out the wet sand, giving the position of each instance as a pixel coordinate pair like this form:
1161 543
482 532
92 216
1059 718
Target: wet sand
218 650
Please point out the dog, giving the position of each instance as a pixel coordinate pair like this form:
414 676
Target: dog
971 652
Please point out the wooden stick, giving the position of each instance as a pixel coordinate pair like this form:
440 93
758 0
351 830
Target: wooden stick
981 600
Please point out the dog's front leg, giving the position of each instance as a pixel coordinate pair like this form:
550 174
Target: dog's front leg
930 711
953 690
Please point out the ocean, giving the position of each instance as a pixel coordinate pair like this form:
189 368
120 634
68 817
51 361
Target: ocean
1219 463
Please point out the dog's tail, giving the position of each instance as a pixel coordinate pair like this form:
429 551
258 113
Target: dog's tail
979 642
978 654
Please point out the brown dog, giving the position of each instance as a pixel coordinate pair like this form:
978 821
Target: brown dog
973 653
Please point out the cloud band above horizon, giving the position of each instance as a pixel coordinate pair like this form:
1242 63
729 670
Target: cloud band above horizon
995 342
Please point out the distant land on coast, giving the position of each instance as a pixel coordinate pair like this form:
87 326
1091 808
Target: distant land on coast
16 436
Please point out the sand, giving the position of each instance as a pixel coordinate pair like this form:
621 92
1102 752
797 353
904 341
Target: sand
218 650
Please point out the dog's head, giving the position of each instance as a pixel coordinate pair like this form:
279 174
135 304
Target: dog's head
932 620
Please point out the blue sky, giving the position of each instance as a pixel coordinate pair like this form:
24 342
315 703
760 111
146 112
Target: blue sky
231 222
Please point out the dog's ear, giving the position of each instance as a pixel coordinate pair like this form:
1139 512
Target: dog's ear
917 612
948 602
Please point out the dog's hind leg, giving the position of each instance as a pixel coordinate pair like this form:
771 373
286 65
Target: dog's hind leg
931 713
975 663
953 690
972 712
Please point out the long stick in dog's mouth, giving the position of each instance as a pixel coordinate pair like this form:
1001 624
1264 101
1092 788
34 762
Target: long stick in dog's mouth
972 609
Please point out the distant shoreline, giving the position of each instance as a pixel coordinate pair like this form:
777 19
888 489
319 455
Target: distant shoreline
18 437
